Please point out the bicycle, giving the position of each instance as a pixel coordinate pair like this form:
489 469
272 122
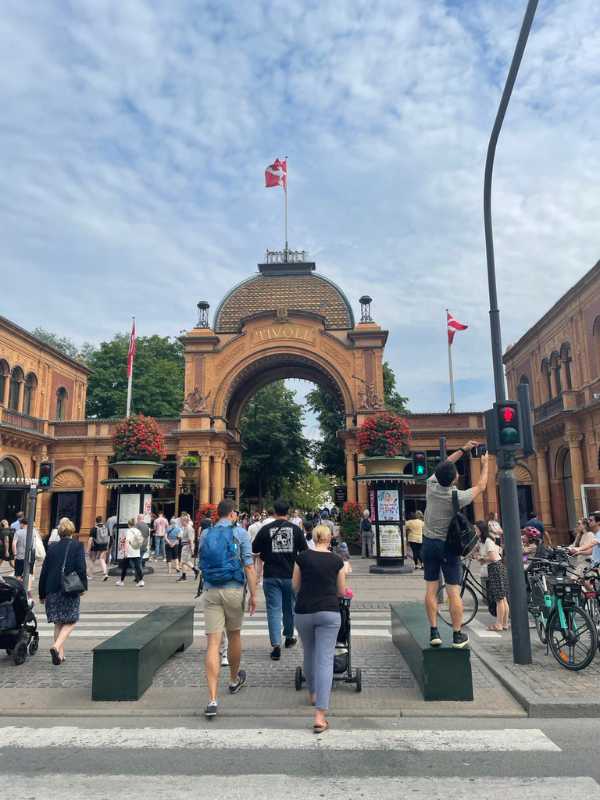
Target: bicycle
470 587
556 604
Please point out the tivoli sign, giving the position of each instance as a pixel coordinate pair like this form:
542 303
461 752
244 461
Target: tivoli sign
283 332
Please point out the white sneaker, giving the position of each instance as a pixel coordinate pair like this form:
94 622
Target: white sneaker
224 660
119 583
141 583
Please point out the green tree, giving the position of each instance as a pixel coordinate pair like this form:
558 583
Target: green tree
310 491
275 450
328 453
393 400
158 371
62 343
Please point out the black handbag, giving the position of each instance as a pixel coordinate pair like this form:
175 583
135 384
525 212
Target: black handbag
71 582
462 537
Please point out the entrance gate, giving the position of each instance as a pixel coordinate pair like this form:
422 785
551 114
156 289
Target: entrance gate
286 321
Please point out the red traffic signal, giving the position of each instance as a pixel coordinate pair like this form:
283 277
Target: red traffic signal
509 428
508 414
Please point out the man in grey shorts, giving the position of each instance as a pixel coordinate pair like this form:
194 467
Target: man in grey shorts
224 599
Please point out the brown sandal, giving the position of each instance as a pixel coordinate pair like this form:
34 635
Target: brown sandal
321 728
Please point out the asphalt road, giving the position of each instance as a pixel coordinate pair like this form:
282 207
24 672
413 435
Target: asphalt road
228 759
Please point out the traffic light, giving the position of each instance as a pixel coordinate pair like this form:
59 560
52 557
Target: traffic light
45 475
509 424
419 460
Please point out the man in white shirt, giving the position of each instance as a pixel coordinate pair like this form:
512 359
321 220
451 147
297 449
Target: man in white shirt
296 519
257 523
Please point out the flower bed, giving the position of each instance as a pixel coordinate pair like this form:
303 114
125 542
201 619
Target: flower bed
384 435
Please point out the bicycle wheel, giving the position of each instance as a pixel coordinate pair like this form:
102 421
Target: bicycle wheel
592 607
470 605
541 630
575 646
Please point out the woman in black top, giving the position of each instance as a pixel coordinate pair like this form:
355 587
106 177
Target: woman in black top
319 581
62 609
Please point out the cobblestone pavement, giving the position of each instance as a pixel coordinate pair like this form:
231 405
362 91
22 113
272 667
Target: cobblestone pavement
382 666
545 678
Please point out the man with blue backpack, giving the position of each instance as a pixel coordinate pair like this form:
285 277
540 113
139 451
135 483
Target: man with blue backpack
227 567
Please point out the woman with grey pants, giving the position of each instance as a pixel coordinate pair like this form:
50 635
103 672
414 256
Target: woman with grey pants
319 581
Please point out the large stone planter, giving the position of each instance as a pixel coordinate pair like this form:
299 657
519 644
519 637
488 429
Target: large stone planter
385 465
138 470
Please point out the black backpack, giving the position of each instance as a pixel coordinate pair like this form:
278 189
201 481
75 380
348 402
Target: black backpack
462 537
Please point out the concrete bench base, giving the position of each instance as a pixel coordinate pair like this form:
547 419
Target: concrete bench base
124 665
443 673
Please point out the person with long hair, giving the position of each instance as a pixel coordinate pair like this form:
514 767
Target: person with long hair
63 557
497 579
319 580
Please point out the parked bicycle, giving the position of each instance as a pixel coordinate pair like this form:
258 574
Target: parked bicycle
556 603
471 590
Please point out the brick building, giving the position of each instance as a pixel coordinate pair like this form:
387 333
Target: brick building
560 359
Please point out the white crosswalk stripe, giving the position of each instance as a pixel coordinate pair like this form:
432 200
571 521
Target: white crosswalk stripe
506 740
292 787
93 626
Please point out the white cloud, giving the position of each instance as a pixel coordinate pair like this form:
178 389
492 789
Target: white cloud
134 137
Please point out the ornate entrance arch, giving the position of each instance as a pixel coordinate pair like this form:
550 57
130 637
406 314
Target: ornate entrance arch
286 321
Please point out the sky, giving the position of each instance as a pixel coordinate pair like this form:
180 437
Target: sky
134 136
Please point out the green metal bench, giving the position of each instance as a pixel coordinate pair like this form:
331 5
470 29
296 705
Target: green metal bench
124 665
443 673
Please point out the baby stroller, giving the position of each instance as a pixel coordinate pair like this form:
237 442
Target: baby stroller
18 625
342 661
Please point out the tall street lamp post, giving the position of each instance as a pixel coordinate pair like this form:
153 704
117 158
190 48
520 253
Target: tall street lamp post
506 457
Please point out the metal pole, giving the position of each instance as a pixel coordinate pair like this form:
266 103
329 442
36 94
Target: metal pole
31 507
508 487
285 191
451 375
443 450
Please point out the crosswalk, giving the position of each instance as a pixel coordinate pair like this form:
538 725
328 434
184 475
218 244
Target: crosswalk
371 624
99 761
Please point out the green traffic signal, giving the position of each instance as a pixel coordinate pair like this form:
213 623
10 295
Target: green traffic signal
420 465
45 475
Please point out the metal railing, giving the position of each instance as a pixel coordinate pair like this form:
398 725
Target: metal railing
549 409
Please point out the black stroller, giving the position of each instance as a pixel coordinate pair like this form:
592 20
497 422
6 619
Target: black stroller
342 661
18 624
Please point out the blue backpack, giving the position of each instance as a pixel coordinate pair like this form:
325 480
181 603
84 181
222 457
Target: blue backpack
220 556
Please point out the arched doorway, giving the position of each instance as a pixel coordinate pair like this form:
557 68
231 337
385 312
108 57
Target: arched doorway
285 322
12 499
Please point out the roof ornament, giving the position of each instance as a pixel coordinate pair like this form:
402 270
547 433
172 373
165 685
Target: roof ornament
203 307
365 308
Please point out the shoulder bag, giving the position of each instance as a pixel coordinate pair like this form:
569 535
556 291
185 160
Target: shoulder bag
70 582
462 536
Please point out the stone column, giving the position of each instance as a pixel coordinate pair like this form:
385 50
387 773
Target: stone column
475 476
350 475
575 438
218 478
204 478
102 494
362 488
235 477
89 508
543 506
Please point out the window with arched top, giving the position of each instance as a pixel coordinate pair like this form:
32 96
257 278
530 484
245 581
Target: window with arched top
61 402
29 393
555 366
8 469
14 389
4 375
548 377
565 358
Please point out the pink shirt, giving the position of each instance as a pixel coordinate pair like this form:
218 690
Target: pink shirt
160 526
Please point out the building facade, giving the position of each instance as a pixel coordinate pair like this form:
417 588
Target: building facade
559 357
285 321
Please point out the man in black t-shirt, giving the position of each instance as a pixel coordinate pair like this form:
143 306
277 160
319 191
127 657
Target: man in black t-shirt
278 543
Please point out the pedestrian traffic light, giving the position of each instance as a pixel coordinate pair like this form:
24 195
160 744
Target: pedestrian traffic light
419 460
509 424
46 474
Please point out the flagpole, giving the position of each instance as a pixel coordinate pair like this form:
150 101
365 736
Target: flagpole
129 378
286 210
450 369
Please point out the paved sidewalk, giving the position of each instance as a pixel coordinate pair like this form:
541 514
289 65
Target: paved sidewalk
389 689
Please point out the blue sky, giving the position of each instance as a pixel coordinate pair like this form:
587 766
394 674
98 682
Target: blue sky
134 137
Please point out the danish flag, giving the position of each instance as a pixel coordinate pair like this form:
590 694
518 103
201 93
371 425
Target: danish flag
453 326
132 350
276 174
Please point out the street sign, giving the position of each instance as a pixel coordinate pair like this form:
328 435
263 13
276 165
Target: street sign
340 495
230 494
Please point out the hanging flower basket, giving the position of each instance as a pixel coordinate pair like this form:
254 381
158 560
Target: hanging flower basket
139 447
385 441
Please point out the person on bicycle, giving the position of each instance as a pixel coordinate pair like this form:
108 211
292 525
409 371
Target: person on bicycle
434 554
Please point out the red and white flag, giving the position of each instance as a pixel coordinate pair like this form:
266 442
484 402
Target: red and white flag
276 174
453 326
131 352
